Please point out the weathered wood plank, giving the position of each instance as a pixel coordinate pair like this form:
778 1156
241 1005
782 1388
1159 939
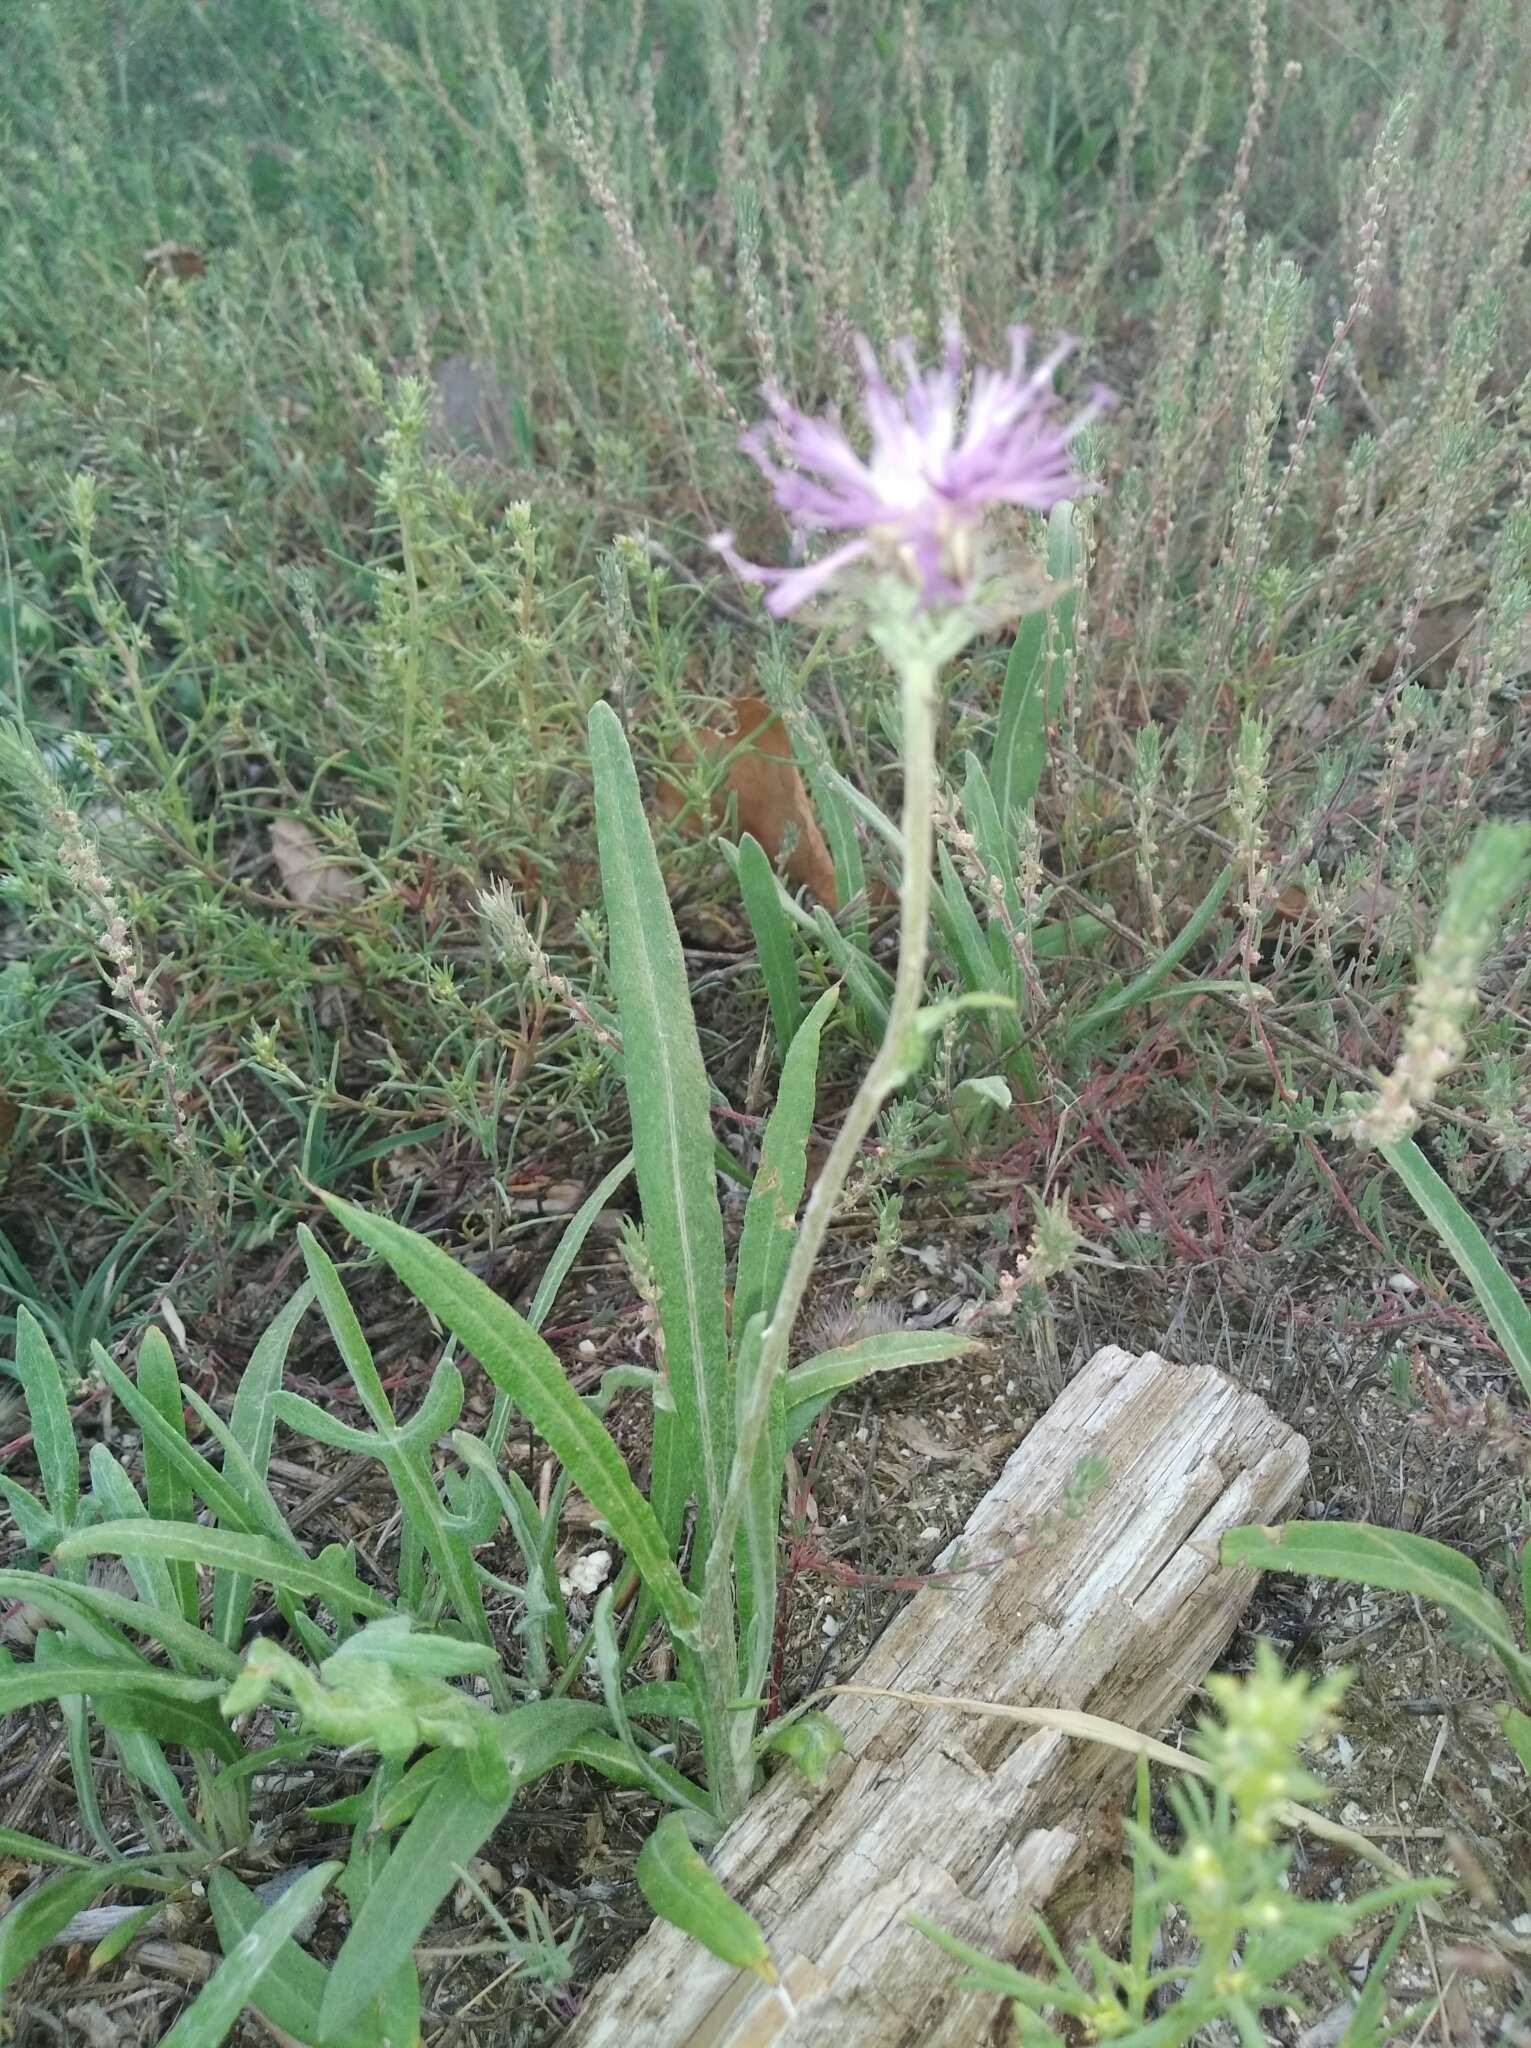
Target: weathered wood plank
1118 1608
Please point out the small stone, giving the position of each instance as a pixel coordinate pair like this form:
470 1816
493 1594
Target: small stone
1402 1283
586 1348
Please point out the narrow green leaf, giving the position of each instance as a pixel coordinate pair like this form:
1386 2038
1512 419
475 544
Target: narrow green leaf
811 1385
52 1644
481 1514
380 1807
997 848
194 1475
669 1101
453 1821
678 1885
68 1601
350 1339
572 1240
662 1699
869 984
123 1935
252 1421
291 1990
773 939
114 1496
46 1911
404 1450
963 937
521 1365
770 1215
1498 1296
212 2013
58 1459
755 1562
1516 1730
1143 985
1359 1553
166 1487
1034 677
230 1550
34 1523
21 1684
27 1848
826 789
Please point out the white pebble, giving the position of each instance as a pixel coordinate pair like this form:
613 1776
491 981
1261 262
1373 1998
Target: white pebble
588 1574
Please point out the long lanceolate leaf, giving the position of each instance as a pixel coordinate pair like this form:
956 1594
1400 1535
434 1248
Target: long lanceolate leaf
404 1450
1143 985
252 1420
770 1220
1499 1298
1034 677
453 1820
1361 1554
522 1365
166 1485
483 1509
48 1414
211 2015
672 1143
773 939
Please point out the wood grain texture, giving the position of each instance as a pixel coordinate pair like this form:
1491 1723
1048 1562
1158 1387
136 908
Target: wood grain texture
1117 1609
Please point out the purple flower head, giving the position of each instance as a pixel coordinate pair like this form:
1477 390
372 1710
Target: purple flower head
917 501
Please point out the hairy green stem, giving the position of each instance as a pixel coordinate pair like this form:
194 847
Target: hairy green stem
409 682
716 1647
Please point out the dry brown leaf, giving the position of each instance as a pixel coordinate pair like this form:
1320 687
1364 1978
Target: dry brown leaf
311 878
172 259
1439 640
770 800
911 1431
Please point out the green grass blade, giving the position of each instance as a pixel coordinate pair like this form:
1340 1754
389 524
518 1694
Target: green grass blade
521 1365
230 1550
482 1510
1359 1553
669 1101
1143 985
773 940
35 1919
770 1214
572 1240
755 1562
197 1478
70 1603
1034 677
827 793
21 1684
345 1328
211 2016
1501 1300
114 1497
290 1991
252 1420
58 1459
167 1489
996 846
27 1848
447 1831
818 1379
